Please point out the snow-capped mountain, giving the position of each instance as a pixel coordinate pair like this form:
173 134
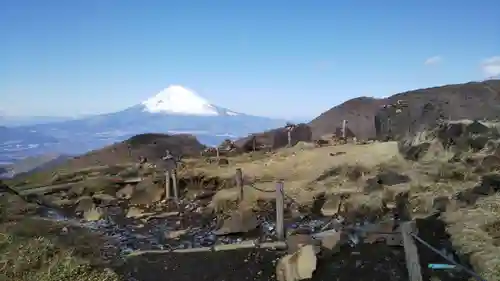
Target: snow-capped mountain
182 101
173 110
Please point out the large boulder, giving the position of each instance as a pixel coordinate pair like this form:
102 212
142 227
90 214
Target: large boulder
297 266
274 139
394 121
240 221
450 136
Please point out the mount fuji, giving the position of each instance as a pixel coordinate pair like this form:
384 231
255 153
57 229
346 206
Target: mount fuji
173 110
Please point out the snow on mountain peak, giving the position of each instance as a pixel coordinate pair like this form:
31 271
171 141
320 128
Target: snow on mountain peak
179 100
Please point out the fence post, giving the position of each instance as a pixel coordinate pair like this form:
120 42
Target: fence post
411 252
344 125
280 208
167 184
175 186
289 135
239 182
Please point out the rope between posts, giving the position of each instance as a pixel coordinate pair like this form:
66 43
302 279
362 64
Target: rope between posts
274 191
472 273
469 271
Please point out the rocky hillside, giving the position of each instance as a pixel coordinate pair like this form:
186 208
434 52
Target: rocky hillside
151 146
474 100
359 112
274 139
36 163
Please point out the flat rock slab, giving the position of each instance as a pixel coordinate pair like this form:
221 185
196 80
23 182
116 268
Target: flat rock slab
131 180
162 215
136 213
240 221
297 266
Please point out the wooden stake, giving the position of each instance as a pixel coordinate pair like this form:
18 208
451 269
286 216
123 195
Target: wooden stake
216 248
239 182
167 184
280 208
289 133
344 125
174 185
411 252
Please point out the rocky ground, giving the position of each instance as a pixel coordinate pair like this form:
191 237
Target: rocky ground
95 216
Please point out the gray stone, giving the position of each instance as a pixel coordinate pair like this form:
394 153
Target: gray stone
240 221
297 266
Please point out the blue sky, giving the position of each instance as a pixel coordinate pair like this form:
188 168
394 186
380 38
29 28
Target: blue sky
276 58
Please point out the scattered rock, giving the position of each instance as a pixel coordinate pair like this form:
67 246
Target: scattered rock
136 213
175 233
491 147
332 242
146 193
126 192
84 203
441 203
162 215
104 199
223 162
296 241
476 128
298 266
63 202
240 221
490 163
76 191
490 184
305 145
205 194
477 143
387 178
332 205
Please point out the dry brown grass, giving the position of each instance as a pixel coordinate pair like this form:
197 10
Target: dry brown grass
32 248
342 169
307 172
299 168
470 234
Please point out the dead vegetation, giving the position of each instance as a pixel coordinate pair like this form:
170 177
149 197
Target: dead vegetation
32 248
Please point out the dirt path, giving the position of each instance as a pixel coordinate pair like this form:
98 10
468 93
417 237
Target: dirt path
365 262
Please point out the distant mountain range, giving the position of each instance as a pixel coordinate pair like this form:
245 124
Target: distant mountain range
16 121
174 110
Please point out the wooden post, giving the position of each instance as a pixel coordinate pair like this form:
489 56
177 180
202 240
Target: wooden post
289 133
344 125
175 187
167 184
239 182
218 152
411 252
254 143
280 208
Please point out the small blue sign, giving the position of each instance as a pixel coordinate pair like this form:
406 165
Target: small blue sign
441 266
